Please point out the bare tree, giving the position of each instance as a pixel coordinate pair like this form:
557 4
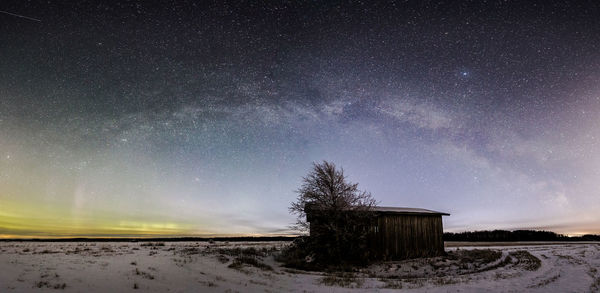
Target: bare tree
342 211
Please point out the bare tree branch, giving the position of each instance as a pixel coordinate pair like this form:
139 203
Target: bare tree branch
342 212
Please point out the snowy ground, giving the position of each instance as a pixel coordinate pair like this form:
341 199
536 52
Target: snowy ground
250 267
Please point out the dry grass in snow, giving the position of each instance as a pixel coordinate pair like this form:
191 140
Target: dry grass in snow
251 267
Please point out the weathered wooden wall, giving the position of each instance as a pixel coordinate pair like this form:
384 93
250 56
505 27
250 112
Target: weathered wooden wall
406 236
394 236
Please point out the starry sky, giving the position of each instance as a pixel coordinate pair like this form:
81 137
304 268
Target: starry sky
140 118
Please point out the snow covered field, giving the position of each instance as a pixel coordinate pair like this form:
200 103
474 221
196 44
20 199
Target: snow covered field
250 267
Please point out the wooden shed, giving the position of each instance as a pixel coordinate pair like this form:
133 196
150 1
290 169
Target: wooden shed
400 233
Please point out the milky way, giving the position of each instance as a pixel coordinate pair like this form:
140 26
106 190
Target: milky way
197 119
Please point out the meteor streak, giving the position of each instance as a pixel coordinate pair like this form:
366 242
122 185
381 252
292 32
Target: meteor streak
21 16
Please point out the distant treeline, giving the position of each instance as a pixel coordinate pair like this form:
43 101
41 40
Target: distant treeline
161 239
517 235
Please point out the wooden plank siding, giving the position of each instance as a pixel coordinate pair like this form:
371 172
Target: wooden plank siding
396 233
406 236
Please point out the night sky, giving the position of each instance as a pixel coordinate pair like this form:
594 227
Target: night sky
183 118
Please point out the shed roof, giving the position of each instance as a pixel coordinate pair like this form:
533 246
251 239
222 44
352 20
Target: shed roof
411 211
393 210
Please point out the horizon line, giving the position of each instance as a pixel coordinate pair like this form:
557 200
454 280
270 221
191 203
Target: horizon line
175 237
142 236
